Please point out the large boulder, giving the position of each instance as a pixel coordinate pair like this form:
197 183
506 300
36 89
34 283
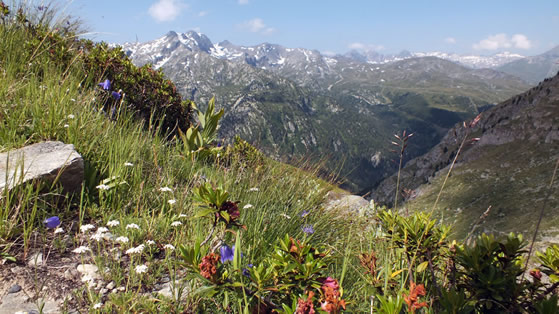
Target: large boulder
351 204
46 161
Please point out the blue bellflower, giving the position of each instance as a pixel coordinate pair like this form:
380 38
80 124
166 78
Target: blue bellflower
105 84
116 95
246 272
227 253
52 222
308 229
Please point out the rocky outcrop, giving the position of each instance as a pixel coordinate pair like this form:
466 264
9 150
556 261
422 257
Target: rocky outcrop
53 162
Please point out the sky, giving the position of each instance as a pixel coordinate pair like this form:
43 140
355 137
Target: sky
333 26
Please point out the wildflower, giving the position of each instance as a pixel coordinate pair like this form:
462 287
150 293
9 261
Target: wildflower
72 100
128 164
116 95
71 116
66 126
86 228
132 226
103 187
140 269
369 261
285 215
171 201
332 301
231 209
102 229
169 247
97 306
81 249
150 242
246 272
122 239
98 236
536 274
165 189
105 84
305 307
52 222
305 213
176 223
227 253
412 299
113 223
58 230
182 216
253 190
247 206
208 267
308 229
136 250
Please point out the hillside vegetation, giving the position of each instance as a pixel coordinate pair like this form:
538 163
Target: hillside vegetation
225 228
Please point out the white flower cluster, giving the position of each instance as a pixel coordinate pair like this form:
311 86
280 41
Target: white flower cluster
136 250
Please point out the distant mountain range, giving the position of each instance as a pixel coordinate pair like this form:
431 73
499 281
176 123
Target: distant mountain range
508 168
293 102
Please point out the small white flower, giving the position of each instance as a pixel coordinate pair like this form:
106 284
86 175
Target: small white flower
72 100
103 187
176 223
97 306
169 247
86 228
165 189
66 126
247 206
286 216
253 189
58 230
171 201
136 250
141 269
81 249
97 236
113 223
150 242
71 116
132 226
122 239
128 164
182 216
102 229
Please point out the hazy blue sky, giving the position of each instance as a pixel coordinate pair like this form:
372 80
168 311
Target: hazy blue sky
466 26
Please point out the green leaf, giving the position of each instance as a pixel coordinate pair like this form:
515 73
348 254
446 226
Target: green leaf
204 212
421 267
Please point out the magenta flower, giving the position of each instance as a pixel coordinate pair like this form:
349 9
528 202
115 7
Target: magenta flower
52 222
105 84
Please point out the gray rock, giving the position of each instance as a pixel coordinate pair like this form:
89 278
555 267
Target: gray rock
347 203
88 271
35 260
20 302
14 289
111 285
46 161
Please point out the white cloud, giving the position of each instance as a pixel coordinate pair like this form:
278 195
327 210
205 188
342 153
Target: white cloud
202 13
450 40
257 25
365 47
502 40
166 10
243 2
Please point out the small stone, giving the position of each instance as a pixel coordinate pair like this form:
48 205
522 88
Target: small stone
111 285
14 289
114 290
36 260
17 270
165 279
103 291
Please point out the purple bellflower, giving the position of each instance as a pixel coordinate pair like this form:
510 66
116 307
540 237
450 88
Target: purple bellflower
308 229
105 84
116 95
52 222
227 253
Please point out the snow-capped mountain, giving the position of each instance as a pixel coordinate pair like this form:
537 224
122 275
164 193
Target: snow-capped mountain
293 101
471 61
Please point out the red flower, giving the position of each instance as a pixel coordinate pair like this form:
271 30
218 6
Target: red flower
536 273
412 299
208 267
305 307
332 301
231 209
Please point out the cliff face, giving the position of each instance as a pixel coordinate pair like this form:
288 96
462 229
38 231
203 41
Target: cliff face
508 168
